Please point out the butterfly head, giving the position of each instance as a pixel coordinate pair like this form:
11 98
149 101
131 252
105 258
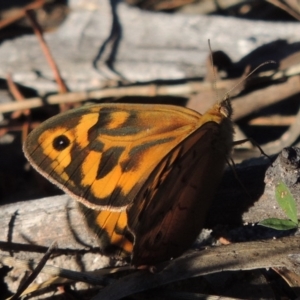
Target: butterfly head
226 107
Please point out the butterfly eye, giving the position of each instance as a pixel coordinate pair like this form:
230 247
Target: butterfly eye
60 143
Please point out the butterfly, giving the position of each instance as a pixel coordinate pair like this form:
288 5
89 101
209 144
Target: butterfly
144 175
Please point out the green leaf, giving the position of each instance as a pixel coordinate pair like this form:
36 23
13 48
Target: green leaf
279 224
286 201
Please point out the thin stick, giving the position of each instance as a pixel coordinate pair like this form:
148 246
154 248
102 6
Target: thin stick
97 277
239 82
214 71
35 272
14 90
39 34
21 13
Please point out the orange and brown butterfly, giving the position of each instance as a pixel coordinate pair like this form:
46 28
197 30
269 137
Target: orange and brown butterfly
144 175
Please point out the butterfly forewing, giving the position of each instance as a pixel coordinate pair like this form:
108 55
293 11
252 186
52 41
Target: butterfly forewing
102 154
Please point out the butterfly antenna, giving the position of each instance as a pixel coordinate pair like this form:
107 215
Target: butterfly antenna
214 84
245 78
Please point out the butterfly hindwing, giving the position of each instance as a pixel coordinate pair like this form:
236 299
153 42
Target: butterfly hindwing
111 231
170 211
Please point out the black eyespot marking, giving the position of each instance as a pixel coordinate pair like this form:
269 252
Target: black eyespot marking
61 142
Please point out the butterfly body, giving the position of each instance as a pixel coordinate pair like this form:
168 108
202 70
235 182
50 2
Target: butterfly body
144 174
